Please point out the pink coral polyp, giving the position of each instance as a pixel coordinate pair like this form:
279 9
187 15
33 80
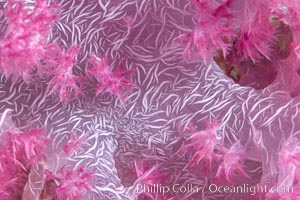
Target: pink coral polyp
72 184
202 145
232 166
63 81
73 144
114 82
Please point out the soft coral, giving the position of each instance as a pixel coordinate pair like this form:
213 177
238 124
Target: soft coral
203 146
257 30
19 152
68 184
73 144
114 82
63 80
24 44
224 25
233 163
214 30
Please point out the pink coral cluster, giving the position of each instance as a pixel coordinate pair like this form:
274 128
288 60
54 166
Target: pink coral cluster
203 144
247 39
233 163
215 30
25 42
70 184
26 50
205 154
206 150
23 162
63 80
18 153
114 82
74 143
247 26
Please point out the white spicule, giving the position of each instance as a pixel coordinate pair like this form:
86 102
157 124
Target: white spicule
169 93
